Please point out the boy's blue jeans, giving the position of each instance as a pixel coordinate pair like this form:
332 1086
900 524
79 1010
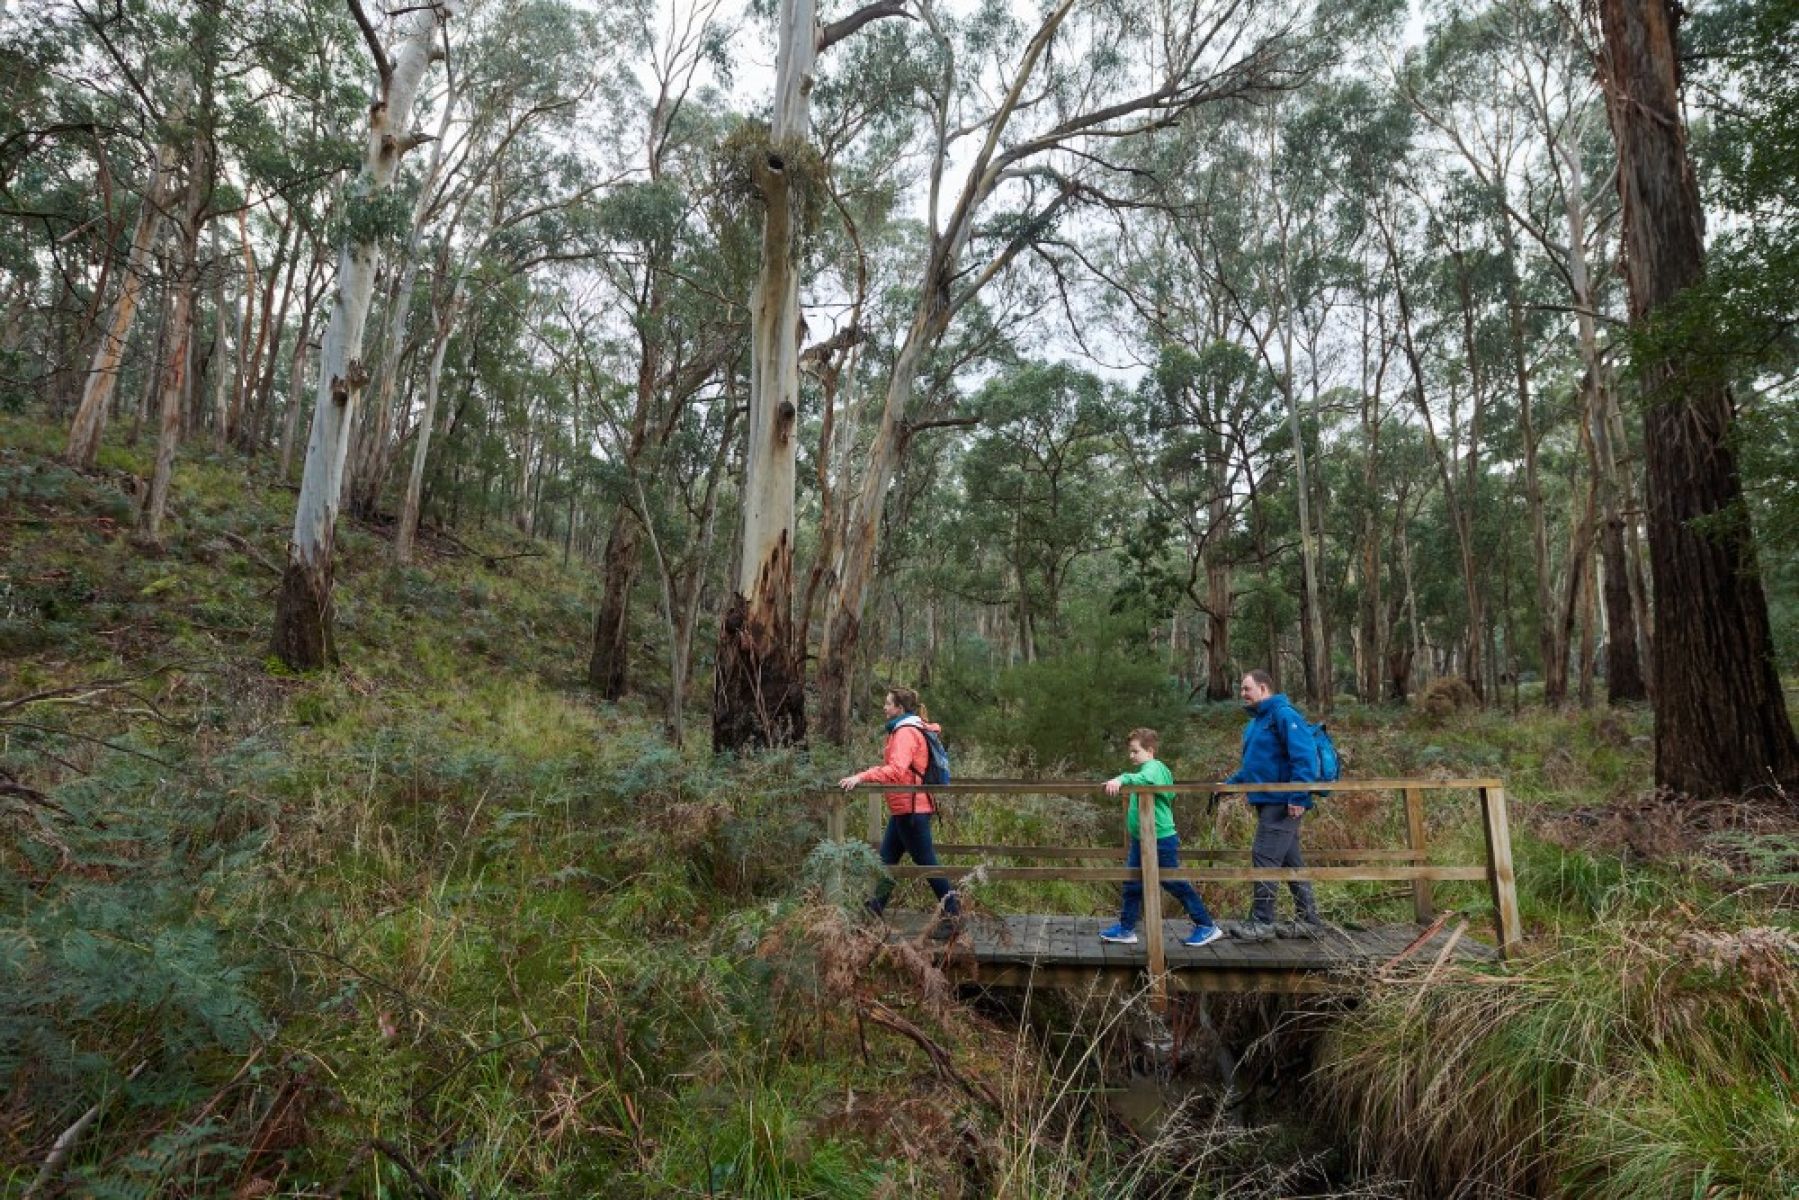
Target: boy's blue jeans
910 833
1168 852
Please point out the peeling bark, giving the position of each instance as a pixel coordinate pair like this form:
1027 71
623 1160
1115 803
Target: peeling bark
758 698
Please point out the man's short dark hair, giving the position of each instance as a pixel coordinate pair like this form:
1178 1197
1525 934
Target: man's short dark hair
1262 677
906 698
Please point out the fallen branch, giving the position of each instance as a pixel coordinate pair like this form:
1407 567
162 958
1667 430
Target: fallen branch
1430 931
1449 945
69 733
84 691
65 1141
487 560
400 1160
253 553
886 1018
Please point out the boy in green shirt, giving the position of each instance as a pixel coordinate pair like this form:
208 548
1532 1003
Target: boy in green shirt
1150 772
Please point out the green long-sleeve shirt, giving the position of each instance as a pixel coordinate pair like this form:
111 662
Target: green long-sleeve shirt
1152 774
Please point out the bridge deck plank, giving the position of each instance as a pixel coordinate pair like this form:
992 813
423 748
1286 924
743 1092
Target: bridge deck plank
1064 943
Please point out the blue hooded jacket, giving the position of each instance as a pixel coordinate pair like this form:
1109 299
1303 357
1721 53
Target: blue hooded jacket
1277 748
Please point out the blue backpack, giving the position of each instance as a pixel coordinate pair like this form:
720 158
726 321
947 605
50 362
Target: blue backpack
1329 766
936 769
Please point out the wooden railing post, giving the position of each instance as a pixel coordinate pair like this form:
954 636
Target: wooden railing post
1500 875
1152 900
834 819
1422 907
877 818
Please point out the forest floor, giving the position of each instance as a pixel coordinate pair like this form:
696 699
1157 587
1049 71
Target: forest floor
438 923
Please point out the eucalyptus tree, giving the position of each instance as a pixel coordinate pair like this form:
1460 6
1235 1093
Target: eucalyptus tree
671 480
1037 483
1195 434
502 194
1721 723
303 624
1279 270
862 244
758 699
86 138
654 227
1046 110
500 171
1509 87
1744 94
1349 137
76 137
89 423
1194 414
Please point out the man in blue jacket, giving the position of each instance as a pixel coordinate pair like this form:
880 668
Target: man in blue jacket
1277 748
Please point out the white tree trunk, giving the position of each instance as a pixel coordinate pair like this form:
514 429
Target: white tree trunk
757 688
303 635
374 457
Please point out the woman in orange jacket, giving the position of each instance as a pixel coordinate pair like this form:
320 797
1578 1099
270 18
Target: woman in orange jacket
908 812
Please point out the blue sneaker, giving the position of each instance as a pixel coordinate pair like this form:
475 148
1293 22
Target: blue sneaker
1124 935
1203 935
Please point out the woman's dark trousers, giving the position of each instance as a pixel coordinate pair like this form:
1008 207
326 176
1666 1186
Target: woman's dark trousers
910 833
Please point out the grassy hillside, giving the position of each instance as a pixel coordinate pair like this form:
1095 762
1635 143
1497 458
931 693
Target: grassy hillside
438 923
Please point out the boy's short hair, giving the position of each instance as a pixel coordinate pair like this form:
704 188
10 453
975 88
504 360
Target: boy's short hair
1144 736
906 698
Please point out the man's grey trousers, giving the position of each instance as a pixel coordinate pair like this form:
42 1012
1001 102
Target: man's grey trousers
1277 845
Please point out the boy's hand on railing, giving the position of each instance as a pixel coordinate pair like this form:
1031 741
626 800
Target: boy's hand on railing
1112 786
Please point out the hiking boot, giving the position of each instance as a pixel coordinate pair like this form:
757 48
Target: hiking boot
1202 935
1253 931
1123 935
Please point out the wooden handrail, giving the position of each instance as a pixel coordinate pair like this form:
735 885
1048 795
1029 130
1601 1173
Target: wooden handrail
1393 874
1052 787
1374 865
1206 852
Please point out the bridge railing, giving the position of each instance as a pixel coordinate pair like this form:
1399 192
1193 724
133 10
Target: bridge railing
1326 865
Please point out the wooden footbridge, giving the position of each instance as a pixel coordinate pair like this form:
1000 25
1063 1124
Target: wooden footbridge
1060 950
